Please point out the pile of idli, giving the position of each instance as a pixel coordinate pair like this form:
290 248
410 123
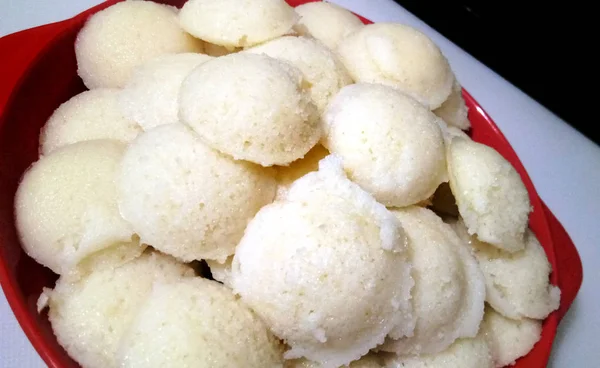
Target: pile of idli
320 168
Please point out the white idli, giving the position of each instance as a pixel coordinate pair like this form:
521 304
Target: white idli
454 110
235 23
326 22
399 56
320 66
251 107
449 292
117 39
186 199
389 144
326 270
66 205
517 284
490 194
509 339
151 96
197 323
90 315
89 115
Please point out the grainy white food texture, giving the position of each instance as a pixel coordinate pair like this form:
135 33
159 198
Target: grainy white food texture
197 323
236 23
464 353
326 270
89 115
326 22
251 107
454 111
389 143
186 199
448 297
117 39
151 96
517 284
490 194
509 339
399 56
66 205
319 65
90 315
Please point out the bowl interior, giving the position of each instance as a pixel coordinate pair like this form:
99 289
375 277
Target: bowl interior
51 80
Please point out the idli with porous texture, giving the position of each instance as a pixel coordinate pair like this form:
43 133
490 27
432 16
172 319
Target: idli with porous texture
115 40
89 115
237 23
454 111
66 205
389 144
197 323
448 297
509 339
326 269
326 22
399 56
186 199
464 353
151 96
90 315
251 107
320 66
491 197
517 284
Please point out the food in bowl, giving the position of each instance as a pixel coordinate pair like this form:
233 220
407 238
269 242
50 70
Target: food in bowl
326 201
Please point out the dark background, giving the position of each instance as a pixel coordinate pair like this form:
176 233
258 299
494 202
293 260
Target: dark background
536 46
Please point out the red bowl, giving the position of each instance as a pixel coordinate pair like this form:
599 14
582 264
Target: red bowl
38 73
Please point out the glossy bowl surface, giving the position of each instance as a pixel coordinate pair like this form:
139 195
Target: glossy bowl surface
38 73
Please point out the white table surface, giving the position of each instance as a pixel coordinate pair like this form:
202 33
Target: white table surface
563 164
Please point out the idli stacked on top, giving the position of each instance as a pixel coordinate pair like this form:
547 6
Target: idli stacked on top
302 195
194 322
326 269
186 199
117 39
89 115
66 206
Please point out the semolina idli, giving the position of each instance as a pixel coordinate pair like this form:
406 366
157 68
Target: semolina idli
491 197
186 199
251 107
117 39
507 338
237 23
399 56
151 96
454 111
89 115
196 322
320 66
326 270
389 144
367 361
66 205
517 284
326 22
448 297
90 315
